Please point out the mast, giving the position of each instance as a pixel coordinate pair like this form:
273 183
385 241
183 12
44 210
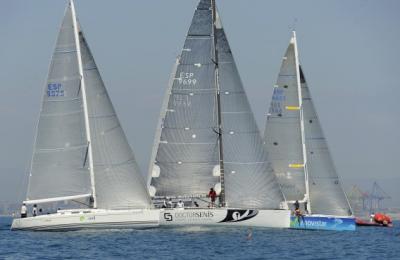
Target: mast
221 154
84 100
307 195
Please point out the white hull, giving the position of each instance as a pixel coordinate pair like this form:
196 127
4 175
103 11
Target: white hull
89 219
225 217
117 219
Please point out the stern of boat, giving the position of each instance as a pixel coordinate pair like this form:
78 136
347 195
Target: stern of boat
323 222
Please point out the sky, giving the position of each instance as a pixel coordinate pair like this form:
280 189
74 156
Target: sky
349 51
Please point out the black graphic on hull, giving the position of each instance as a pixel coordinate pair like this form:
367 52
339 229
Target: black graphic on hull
237 215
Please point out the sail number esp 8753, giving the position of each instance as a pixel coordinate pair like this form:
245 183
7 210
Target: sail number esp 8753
55 90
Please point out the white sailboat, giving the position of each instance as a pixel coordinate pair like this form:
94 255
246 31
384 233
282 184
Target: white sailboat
81 154
299 152
207 137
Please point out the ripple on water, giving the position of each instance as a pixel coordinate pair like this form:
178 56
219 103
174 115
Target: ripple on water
201 243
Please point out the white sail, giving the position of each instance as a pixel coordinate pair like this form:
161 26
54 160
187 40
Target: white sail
59 165
282 135
207 87
249 178
118 182
326 192
187 150
297 146
81 149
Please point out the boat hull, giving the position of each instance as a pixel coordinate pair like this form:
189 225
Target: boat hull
89 219
367 223
323 222
225 217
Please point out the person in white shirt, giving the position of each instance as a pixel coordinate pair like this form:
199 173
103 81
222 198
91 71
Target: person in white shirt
180 204
24 211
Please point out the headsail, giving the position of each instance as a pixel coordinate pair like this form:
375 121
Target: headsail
326 192
118 181
283 138
59 164
187 159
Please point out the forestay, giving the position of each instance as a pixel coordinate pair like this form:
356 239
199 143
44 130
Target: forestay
118 182
59 165
282 135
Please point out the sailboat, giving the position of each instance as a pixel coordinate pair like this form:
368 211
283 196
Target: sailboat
207 137
81 155
299 152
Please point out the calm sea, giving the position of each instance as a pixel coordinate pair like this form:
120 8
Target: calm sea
201 243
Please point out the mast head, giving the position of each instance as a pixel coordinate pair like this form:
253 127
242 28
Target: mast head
293 39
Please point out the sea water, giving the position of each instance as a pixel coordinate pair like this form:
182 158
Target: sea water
201 243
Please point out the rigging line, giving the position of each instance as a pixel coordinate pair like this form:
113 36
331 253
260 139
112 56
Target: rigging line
86 155
217 132
81 203
80 84
292 27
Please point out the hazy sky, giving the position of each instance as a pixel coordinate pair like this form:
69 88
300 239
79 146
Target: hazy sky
349 51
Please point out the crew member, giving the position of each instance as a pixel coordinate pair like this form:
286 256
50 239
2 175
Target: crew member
296 205
180 204
213 195
24 211
34 210
170 204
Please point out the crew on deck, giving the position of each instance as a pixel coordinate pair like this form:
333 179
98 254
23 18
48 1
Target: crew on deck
169 203
24 211
297 210
213 195
34 210
180 204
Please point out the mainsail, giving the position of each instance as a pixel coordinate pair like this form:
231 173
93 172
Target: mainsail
297 146
81 149
59 165
187 150
283 138
207 86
